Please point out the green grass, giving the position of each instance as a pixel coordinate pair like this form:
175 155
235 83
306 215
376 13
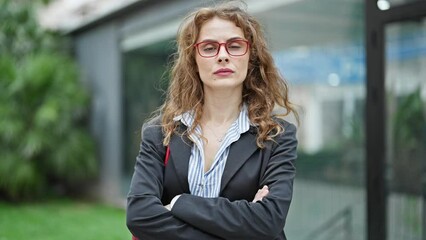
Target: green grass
62 220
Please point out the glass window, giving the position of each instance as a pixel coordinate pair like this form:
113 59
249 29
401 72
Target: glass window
406 128
319 49
144 84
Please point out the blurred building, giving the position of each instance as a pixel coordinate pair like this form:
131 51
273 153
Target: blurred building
356 69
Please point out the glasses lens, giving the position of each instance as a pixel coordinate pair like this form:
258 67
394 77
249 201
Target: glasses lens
236 47
208 49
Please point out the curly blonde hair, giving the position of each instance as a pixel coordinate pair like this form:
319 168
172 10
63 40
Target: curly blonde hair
262 89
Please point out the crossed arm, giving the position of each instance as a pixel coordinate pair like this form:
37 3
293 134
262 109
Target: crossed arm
209 218
260 194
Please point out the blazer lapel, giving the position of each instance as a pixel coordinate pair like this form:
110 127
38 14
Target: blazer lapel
180 152
239 153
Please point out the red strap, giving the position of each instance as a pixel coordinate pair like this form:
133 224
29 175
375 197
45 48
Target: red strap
166 159
134 238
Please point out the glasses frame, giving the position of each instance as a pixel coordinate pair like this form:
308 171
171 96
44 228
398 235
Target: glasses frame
220 45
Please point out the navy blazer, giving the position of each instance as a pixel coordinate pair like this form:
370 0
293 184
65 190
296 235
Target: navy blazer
232 215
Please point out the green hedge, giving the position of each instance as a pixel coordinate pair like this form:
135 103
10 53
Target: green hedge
44 140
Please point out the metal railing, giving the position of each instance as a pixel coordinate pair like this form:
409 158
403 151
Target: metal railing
339 226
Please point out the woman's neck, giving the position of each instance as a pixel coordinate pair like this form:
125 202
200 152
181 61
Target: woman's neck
221 107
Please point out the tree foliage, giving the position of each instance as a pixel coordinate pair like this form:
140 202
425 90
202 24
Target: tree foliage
409 134
43 110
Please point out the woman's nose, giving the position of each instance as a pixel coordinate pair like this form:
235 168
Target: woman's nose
223 54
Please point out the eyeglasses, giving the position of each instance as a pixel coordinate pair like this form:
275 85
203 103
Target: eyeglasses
235 48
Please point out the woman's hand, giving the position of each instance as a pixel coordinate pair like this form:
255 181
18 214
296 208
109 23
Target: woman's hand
261 193
170 205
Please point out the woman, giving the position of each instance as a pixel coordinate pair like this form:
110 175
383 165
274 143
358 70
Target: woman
231 166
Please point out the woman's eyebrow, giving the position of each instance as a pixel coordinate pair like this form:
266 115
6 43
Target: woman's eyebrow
230 39
235 38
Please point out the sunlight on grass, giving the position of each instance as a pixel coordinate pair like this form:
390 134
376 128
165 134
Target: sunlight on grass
62 220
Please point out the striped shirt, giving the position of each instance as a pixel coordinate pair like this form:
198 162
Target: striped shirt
208 184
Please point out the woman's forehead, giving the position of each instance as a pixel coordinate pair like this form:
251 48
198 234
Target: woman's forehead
219 29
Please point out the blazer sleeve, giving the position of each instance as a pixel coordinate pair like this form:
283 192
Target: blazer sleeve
247 220
146 217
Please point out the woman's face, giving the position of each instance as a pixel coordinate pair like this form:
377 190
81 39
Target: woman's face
222 70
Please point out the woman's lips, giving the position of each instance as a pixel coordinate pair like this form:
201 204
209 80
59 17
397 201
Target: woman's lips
223 72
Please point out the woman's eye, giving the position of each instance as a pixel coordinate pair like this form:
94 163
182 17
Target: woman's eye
209 48
235 46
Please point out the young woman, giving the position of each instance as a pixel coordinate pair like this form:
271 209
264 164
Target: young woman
231 165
